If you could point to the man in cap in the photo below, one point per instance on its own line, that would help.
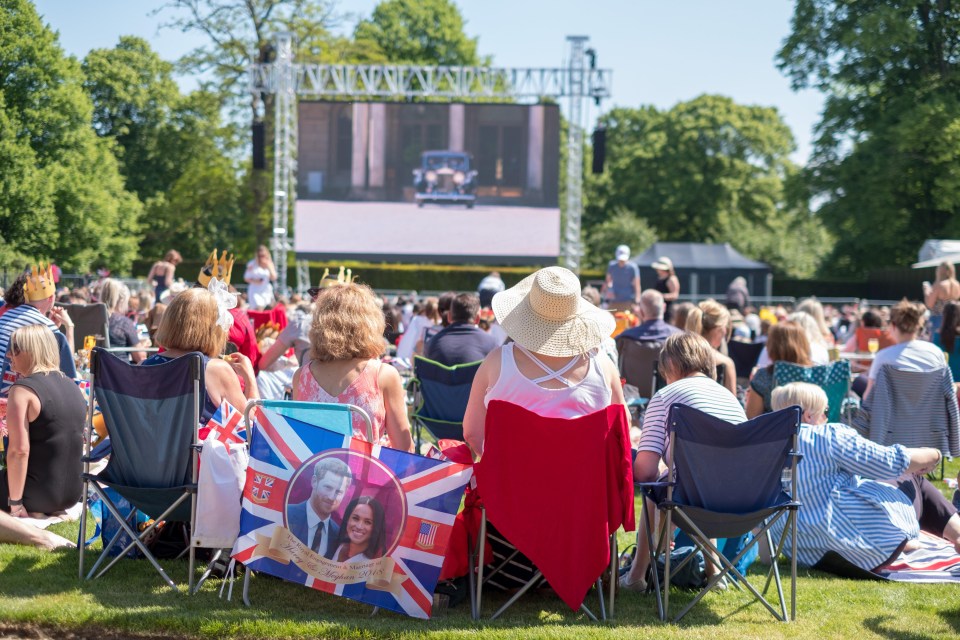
(622, 284)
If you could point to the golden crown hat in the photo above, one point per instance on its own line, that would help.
(220, 269)
(343, 277)
(40, 284)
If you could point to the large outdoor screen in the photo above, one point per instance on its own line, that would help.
(421, 182)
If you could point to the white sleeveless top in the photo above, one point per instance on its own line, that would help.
(578, 399)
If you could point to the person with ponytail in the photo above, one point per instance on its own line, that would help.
(711, 320)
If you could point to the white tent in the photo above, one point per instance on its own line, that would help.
(933, 252)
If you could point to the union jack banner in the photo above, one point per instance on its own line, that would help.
(225, 423)
(390, 513)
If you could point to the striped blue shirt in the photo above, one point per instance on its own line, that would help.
(844, 507)
(10, 321)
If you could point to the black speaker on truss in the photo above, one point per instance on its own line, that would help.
(599, 149)
(259, 152)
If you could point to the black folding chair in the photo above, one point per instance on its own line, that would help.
(152, 415)
(745, 356)
(724, 481)
(440, 395)
(90, 320)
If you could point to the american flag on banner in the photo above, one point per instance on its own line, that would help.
(225, 424)
(417, 500)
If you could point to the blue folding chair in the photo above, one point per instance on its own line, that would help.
(440, 397)
(725, 480)
(330, 416)
(152, 415)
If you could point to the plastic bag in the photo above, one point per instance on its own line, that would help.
(219, 493)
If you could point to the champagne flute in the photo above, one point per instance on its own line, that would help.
(873, 345)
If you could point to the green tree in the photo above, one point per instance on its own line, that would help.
(239, 34)
(61, 194)
(417, 32)
(623, 227)
(174, 152)
(709, 170)
(886, 162)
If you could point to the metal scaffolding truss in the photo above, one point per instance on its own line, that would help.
(288, 80)
(417, 81)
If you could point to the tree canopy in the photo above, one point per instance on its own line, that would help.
(885, 162)
(709, 170)
(173, 151)
(61, 194)
(417, 32)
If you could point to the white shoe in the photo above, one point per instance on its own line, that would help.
(640, 586)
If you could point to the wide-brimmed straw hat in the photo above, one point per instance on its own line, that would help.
(663, 264)
(545, 314)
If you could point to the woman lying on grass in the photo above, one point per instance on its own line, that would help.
(862, 500)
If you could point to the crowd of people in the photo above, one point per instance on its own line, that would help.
(545, 344)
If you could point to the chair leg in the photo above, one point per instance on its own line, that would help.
(82, 542)
(603, 607)
(614, 574)
(472, 580)
(247, 573)
(208, 571)
(793, 566)
(534, 580)
(480, 559)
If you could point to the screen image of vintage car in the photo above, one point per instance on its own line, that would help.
(445, 177)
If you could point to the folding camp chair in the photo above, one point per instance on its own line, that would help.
(833, 378)
(912, 408)
(152, 415)
(724, 481)
(330, 416)
(90, 320)
(568, 531)
(638, 366)
(440, 395)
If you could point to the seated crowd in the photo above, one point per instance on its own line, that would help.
(545, 345)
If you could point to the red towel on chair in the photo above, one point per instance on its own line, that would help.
(557, 489)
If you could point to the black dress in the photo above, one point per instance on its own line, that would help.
(56, 445)
(662, 287)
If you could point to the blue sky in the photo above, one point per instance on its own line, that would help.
(661, 51)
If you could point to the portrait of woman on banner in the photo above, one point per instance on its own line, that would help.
(362, 531)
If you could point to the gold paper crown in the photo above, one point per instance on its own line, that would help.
(220, 269)
(40, 285)
(343, 277)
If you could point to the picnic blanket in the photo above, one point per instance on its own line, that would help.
(935, 561)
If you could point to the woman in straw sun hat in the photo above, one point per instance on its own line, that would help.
(552, 365)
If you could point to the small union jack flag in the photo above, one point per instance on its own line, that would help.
(427, 534)
(262, 486)
(225, 424)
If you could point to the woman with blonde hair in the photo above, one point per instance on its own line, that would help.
(123, 332)
(850, 506)
(194, 323)
(813, 307)
(711, 320)
(45, 414)
(346, 342)
(945, 289)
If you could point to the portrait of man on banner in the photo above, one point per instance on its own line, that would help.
(346, 516)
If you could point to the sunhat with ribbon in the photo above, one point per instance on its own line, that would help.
(545, 314)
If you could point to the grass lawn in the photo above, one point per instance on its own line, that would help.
(40, 593)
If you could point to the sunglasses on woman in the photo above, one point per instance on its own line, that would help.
(15, 349)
